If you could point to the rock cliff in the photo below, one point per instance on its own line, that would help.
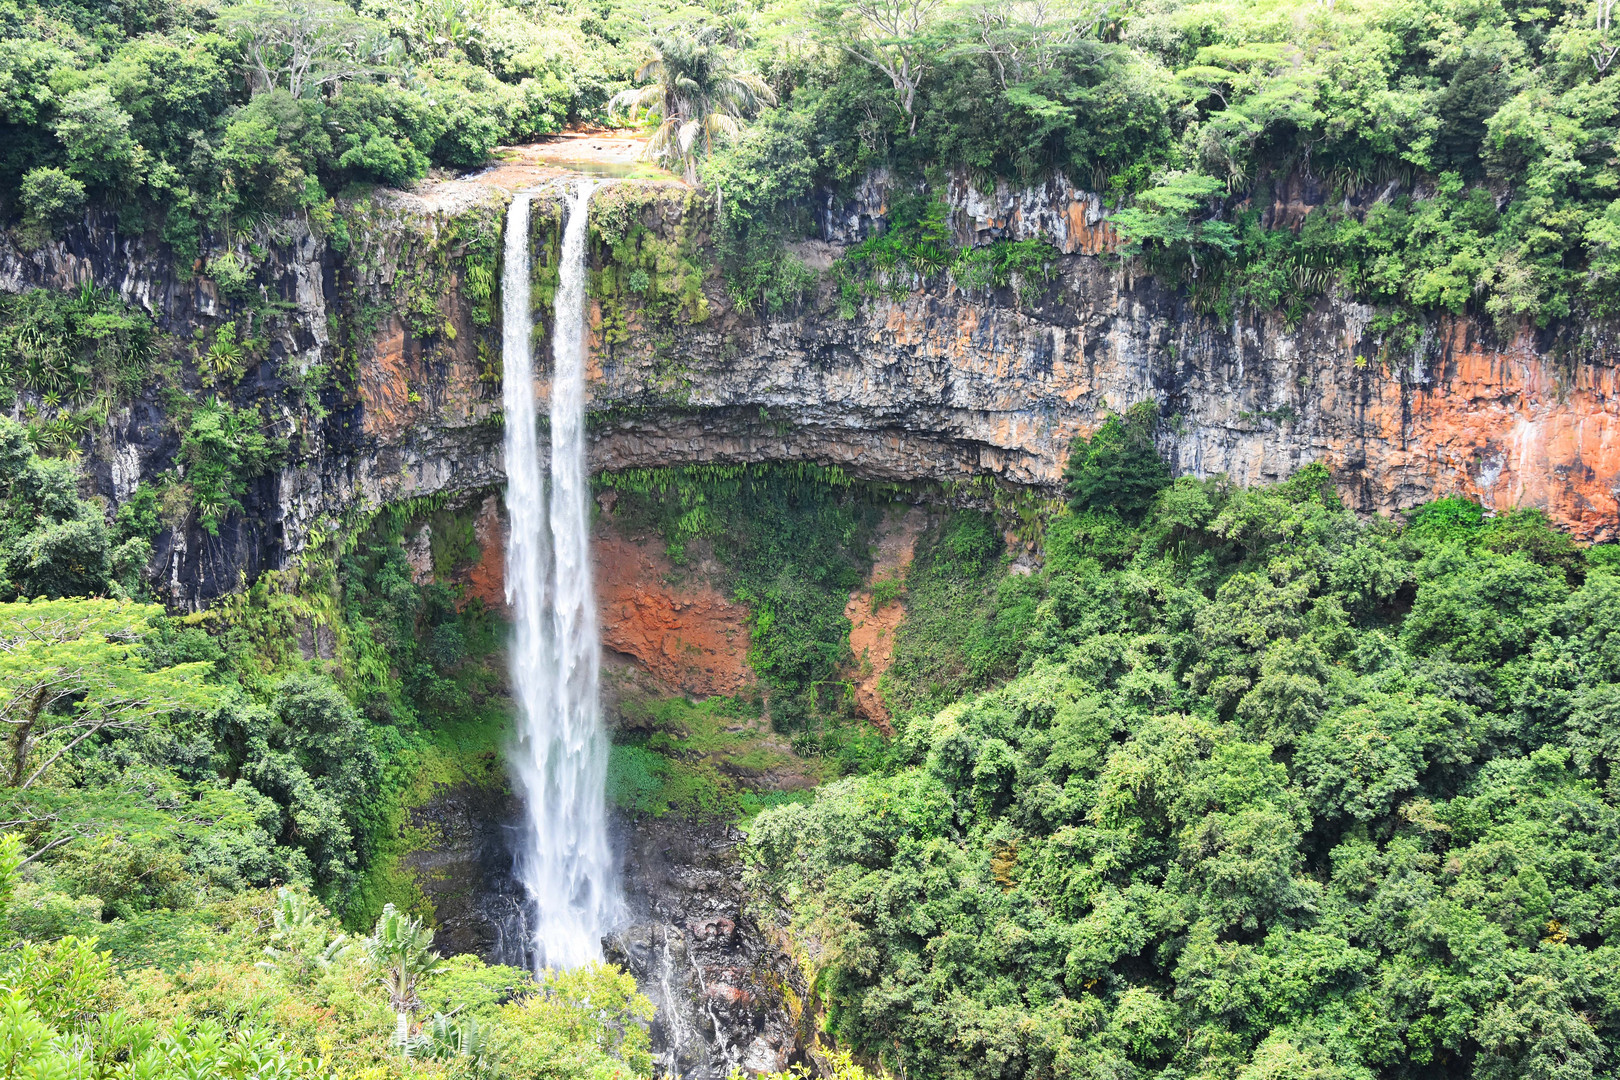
(378, 362)
(381, 366)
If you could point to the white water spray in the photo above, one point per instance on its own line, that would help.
(560, 759)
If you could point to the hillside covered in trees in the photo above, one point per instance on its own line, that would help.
(1181, 779)
(1258, 790)
(1462, 153)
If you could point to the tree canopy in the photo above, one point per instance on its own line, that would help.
(1253, 788)
(1426, 156)
(71, 668)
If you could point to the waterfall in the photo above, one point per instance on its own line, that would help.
(560, 757)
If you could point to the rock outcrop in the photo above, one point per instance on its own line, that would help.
(685, 632)
(874, 617)
(382, 367)
(721, 983)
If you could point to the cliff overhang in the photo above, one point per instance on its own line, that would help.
(383, 364)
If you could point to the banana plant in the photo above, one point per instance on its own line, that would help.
(401, 951)
(467, 1047)
(302, 944)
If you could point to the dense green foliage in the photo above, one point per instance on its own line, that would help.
(694, 759)
(73, 347)
(1424, 155)
(203, 121)
(695, 95)
(145, 797)
(965, 616)
(1231, 784)
(1273, 791)
(53, 543)
(422, 646)
(164, 774)
(223, 449)
(280, 991)
(1116, 467)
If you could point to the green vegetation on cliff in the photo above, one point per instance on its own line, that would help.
(1423, 155)
(157, 765)
(1270, 791)
(1228, 783)
(793, 542)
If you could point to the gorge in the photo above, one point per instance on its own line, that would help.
(402, 382)
(859, 540)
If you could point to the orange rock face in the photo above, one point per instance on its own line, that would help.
(1508, 429)
(871, 633)
(486, 579)
(687, 634)
(684, 631)
(948, 383)
(385, 381)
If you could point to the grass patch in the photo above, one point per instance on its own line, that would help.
(698, 759)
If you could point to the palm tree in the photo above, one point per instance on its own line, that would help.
(400, 948)
(695, 93)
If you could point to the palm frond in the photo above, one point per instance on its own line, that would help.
(695, 92)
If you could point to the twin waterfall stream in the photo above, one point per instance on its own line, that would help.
(559, 762)
(668, 914)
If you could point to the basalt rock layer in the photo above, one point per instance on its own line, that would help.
(379, 364)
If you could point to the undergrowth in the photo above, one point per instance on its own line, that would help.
(696, 759)
(917, 245)
(420, 659)
(966, 617)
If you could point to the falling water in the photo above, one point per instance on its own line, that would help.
(560, 759)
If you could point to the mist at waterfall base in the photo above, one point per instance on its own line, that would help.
(558, 761)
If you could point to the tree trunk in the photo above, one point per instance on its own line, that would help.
(22, 737)
(402, 1032)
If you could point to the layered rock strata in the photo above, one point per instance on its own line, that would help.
(380, 368)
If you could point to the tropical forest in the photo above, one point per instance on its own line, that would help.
(788, 539)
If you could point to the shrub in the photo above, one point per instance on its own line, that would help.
(223, 449)
(233, 276)
(1118, 467)
(50, 197)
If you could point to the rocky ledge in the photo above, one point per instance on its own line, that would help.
(382, 363)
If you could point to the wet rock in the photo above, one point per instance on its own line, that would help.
(717, 977)
(465, 870)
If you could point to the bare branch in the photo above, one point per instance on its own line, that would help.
(303, 45)
(58, 842)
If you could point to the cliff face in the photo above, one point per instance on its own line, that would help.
(381, 366)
